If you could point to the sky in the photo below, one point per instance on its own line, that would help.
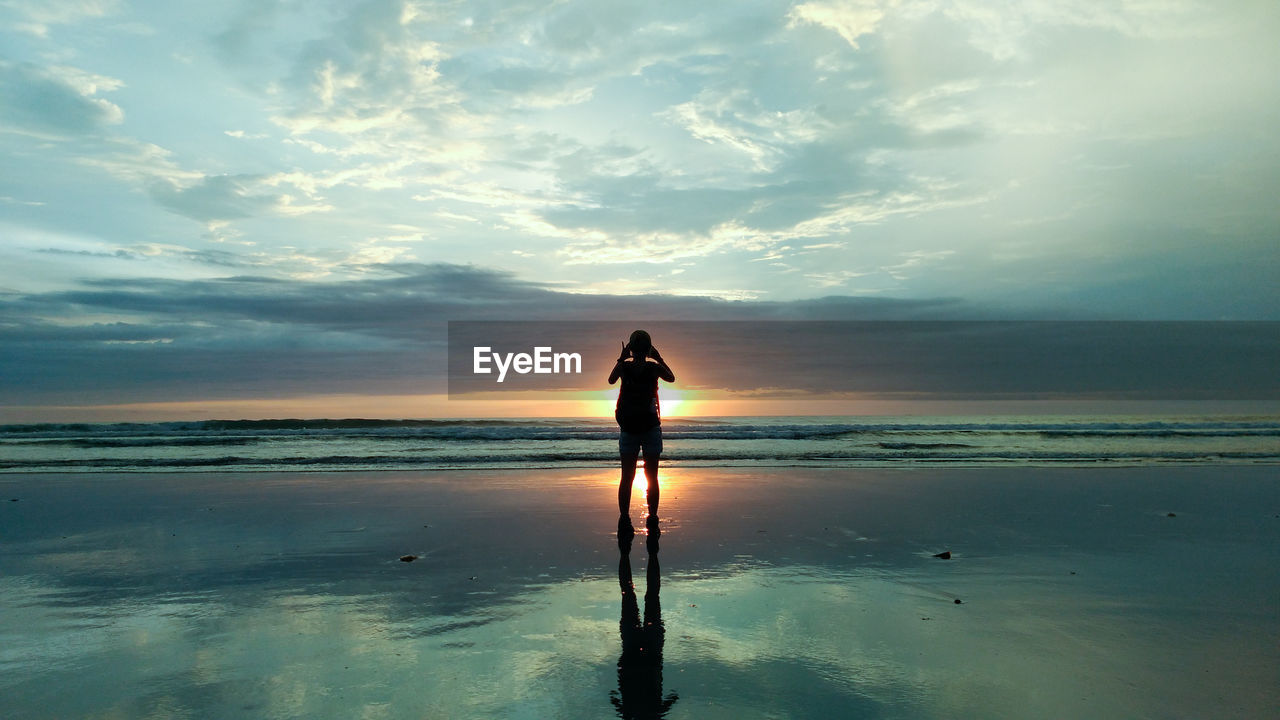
(272, 208)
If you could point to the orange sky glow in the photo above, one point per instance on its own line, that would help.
(676, 403)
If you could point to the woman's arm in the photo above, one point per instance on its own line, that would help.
(617, 367)
(664, 372)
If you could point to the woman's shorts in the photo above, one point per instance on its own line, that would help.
(629, 444)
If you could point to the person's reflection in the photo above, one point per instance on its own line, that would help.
(639, 693)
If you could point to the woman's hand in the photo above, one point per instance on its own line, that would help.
(625, 352)
(653, 353)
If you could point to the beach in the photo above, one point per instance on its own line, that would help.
(1115, 592)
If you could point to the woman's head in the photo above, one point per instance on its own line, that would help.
(640, 343)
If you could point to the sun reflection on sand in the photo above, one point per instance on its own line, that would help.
(673, 484)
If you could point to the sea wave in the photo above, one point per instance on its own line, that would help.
(380, 444)
(847, 459)
(145, 442)
(242, 432)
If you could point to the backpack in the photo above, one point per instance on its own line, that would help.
(637, 412)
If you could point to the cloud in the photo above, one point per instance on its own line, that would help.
(850, 18)
(395, 82)
(272, 335)
(236, 41)
(835, 278)
(135, 162)
(373, 74)
(736, 120)
(117, 254)
(1050, 157)
(766, 156)
(221, 198)
(55, 102)
(139, 338)
(16, 201)
(1003, 31)
(213, 198)
(37, 16)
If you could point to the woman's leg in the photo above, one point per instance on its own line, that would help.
(624, 485)
(651, 474)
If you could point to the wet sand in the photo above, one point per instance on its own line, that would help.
(1107, 593)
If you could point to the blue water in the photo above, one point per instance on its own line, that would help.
(266, 445)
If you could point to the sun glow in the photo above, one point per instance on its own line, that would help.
(674, 403)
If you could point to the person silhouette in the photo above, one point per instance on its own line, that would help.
(639, 694)
(639, 417)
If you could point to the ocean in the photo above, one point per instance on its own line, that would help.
(368, 444)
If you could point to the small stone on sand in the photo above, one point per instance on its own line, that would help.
(408, 558)
(958, 601)
(1172, 515)
(945, 555)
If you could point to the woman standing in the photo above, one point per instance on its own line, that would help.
(640, 366)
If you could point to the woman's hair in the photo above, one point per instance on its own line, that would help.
(640, 343)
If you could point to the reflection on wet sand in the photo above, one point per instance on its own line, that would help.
(639, 693)
(231, 596)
